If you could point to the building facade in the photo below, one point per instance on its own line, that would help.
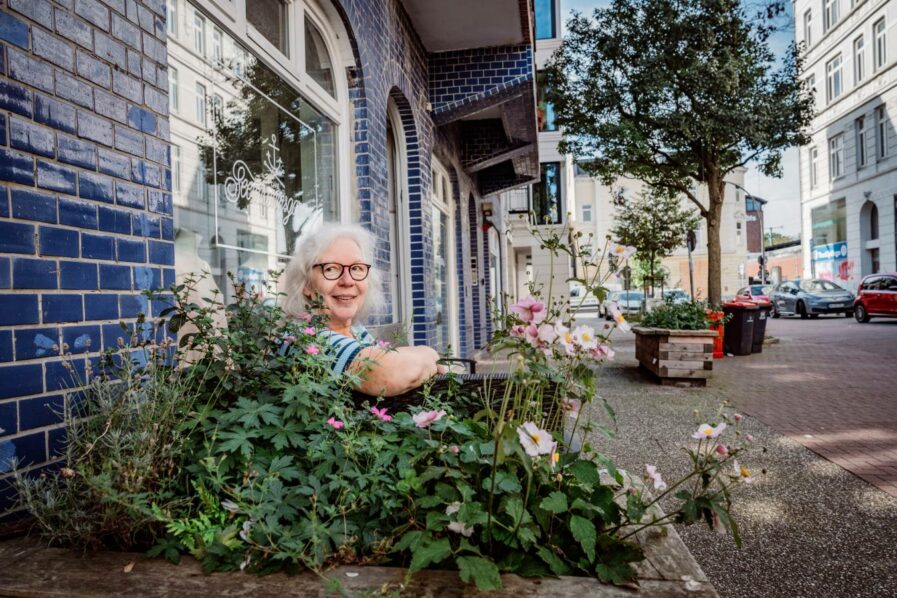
(849, 170)
(144, 140)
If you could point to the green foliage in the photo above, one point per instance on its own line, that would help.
(691, 315)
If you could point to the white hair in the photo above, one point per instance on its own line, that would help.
(311, 246)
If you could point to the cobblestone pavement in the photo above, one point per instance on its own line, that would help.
(809, 526)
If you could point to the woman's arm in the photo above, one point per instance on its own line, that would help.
(392, 372)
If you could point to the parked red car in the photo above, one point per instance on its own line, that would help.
(876, 296)
(754, 292)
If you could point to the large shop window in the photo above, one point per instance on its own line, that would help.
(829, 240)
(254, 166)
(546, 25)
(547, 195)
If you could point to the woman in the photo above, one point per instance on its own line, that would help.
(334, 262)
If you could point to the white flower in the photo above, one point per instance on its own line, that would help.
(708, 431)
(585, 337)
(452, 508)
(534, 440)
(652, 475)
(743, 473)
(621, 252)
(621, 322)
(547, 333)
(565, 337)
(460, 528)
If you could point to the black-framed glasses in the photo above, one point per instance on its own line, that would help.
(333, 271)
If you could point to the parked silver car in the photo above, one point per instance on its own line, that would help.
(628, 302)
(810, 298)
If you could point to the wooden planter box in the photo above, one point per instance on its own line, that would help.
(676, 356)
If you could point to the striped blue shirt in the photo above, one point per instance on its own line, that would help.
(346, 348)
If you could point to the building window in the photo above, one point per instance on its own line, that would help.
(860, 126)
(836, 157)
(199, 34)
(173, 88)
(175, 168)
(830, 14)
(586, 212)
(881, 43)
(269, 17)
(875, 260)
(859, 59)
(873, 223)
(834, 83)
(881, 133)
(545, 117)
(217, 44)
(814, 167)
(201, 104)
(808, 28)
(546, 28)
(200, 186)
(216, 104)
(171, 17)
(317, 59)
(547, 195)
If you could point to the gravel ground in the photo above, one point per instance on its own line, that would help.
(809, 527)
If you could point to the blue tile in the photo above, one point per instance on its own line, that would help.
(129, 195)
(145, 225)
(8, 418)
(51, 48)
(94, 70)
(95, 186)
(146, 278)
(32, 343)
(54, 177)
(129, 141)
(168, 229)
(54, 113)
(34, 274)
(78, 275)
(115, 277)
(18, 309)
(115, 221)
(16, 238)
(41, 411)
(97, 247)
(130, 251)
(168, 277)
(68, 26)
(13, 30)
(58, 241)
(161, 253)
(16, 167)
(16, 98)
(113, 332)
(62, 308)
(142, 120)
(60, 377)
(101, 307)
(31, 138)
(81, 339)
(27, 450)
(2, 128)
(69, 88)
(5, 276)
(77, 213)
(94, 128)
(6, 354)
(56, 441)
(36, 10)
(131, 305)
(30, 205)
(115, 164)
(28, 70)
(158, 202)
(77, 152)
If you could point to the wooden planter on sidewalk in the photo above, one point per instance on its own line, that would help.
(676, 356)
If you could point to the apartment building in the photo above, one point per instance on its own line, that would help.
(848, 171)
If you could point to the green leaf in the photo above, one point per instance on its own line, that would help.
(410, 540)
(482, 571)
(584, 532)
(557, 566)
(428, 553)
(556, 502)
(514, 508)
(585, 472)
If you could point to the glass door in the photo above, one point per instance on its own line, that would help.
(444, 287)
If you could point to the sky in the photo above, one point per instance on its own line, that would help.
(782, 213)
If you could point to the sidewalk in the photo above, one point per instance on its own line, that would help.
(810, 528)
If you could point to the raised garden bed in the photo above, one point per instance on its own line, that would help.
(32, 569)
(676, 356)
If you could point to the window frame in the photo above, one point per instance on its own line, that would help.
(171, 24)
(199, 33)
(836, 157)
(880, 44)
(808, 27)
(814, 167)
(881, 133)
(586, 208)
(859, 59)
(830, 14)
(861, 130)
(286, 55)
(834, 74)
(554, 20)
(174, 85)
(200, 113)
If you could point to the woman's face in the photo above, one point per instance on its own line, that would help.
(344, 296)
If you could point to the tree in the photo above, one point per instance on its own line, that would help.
(655, 223)
(674, 92)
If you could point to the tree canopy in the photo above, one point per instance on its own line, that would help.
(674, 92)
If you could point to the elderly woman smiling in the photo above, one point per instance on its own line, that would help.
(334, 262)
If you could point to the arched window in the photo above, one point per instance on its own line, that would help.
(873, 222)
(317, 58)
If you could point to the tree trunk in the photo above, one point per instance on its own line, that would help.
(716, 191)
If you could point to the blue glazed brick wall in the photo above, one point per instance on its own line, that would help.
(85, 222)
(383, 35)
